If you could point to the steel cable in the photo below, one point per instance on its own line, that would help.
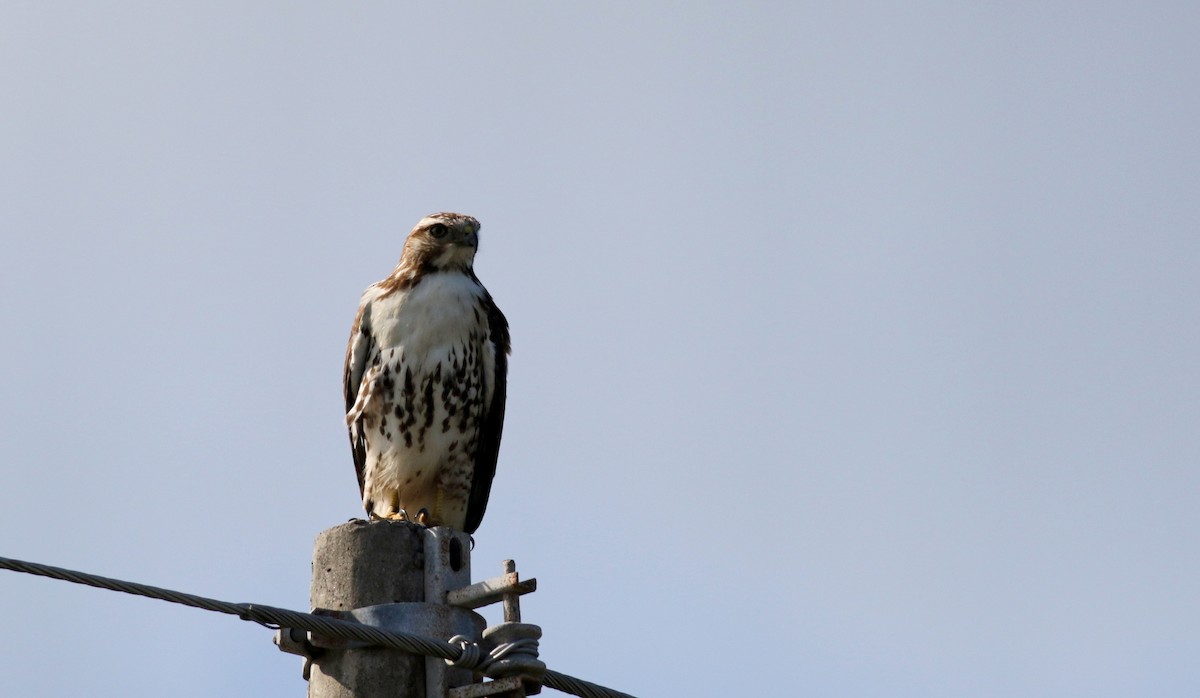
(271, 616)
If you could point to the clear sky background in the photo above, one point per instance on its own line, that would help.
(855, 345)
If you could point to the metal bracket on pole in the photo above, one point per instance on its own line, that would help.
(508, 687)
(295, 641)
(355, 567)
(507, 588)
(447, 567)
(513, 645)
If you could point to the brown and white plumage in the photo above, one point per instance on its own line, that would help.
(425, 381)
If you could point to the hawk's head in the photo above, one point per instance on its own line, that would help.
(440, 242)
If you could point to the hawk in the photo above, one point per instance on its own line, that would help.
(425, 382)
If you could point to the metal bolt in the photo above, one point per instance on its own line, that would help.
(512, 600)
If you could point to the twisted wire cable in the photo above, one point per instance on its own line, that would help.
(273, 617)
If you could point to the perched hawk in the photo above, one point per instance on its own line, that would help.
(425, 382)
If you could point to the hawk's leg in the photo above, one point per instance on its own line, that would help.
(391, 511)
(398, 515)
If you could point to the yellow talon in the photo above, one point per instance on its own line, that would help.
(398, 515)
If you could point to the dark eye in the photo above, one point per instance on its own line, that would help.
(438, 230)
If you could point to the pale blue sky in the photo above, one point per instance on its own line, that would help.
(855, 345)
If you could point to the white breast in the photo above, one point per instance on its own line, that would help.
(423, 321)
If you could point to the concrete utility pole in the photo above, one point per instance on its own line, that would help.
(408, 579)
(383, 573)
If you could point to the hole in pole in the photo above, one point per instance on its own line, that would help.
(456, 554)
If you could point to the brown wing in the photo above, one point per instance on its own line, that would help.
(358, 352)
(493, 419)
